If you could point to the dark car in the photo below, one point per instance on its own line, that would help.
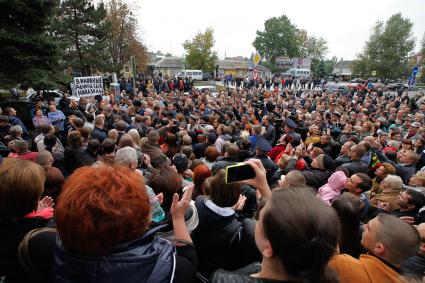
(397, 86)
(206, 76)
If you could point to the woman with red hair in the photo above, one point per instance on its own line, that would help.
(103, 215)
(200, 174)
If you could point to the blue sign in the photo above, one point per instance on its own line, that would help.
(412, 80)
(415, 70)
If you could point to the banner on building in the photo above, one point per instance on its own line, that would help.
(301, 63)
(284, 62)
(297, 63)
(88, 86)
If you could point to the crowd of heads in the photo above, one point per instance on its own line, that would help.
(346, 173)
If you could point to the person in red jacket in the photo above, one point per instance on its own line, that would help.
(22, 151)
(280, 147)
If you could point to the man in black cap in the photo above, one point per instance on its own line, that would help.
(289, 128)
(262, 148)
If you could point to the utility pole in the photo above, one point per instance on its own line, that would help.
(133, 69)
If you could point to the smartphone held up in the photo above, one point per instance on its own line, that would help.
(239, 172)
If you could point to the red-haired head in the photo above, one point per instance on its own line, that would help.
(200, 174)
(100, 208)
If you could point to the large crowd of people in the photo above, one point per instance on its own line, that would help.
(131, 187)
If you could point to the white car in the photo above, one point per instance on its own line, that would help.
(212, 89)
(56, 94)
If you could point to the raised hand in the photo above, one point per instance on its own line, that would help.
(260, 180)
(45, 203)
(178, 207)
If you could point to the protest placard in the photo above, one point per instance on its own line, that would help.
(88, 86)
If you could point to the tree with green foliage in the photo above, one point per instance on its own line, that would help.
(199, 51)
(421, 78)
(279, 38)
(387, 49)
(28, 54)
(314, 48)
(324, 67)
(121, 39)
(311, 47)
(83, 30)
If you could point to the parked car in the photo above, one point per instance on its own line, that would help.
(358, 80)
(357, 86)
(326, 86)
(54, 94)
(23, 105)
(379, 86)
(373, 80)
(342, 88)
(206, 76)
(397, 86)
(212, 89)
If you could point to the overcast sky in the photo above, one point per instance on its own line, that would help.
(165, 24)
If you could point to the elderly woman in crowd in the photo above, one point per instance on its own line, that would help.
(40, 119)
(390, 187)
(381, 172)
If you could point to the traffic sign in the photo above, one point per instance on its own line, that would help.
(373, 73)
(415, 71)
(255, 74)
(412, 80)
(256, 59)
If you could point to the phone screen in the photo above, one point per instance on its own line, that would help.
(239, 172)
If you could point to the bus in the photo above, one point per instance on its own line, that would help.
(298, 73)
(194, 74)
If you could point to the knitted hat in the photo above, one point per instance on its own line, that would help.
(325, 162)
